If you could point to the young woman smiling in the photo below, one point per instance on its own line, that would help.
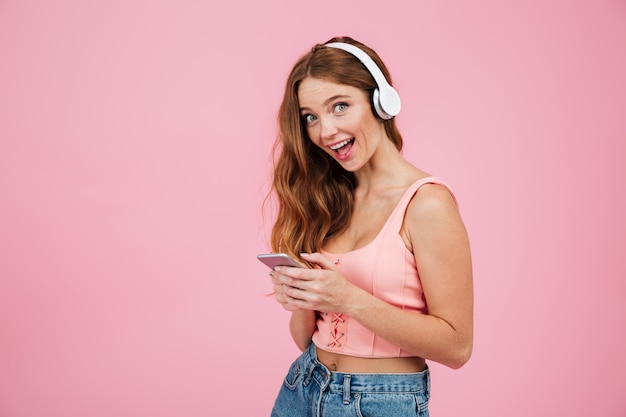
(390, 280)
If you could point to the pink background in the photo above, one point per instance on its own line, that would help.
(134, 156)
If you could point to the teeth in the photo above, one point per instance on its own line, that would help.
(340, 144)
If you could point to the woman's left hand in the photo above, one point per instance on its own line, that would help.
(322, 288)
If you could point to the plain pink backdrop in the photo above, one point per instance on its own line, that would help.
(135, 139)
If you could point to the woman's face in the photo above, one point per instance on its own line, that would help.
(339, 120)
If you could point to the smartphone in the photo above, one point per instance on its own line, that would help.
(278, 259)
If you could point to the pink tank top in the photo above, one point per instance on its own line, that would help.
(384, 268)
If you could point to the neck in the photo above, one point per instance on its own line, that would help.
(387, 167)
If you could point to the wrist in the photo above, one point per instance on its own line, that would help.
(355, 301)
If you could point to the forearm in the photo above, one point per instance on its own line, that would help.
(302, 326)
(424, 335)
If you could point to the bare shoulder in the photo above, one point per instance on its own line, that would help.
(431, 199)
(432, 213)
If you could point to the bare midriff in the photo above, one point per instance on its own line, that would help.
(336, 362)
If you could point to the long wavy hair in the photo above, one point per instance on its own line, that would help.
(314, 193)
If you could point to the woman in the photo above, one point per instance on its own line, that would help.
(390, 283)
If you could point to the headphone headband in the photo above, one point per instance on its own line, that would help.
(385, 98)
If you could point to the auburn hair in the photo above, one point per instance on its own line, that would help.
(314, 193)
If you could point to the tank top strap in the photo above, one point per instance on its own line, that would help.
(397, 215)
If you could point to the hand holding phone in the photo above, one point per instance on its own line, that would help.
(273, 260)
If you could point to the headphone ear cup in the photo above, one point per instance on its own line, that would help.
(386, 105)
(389, 101)
(378, 110)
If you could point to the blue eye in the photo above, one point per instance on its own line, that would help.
(340, 107)
(309, 118)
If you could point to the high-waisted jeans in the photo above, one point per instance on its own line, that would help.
(311, 390)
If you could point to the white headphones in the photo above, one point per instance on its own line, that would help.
(386, 99)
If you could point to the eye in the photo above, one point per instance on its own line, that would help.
(309, 118)
(340, 107)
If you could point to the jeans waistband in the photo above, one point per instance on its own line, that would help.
(363, 383)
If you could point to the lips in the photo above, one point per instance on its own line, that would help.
(342, 148)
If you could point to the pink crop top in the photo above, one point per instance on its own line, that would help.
(384, 268)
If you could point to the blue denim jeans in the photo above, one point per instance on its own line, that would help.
(311, 390)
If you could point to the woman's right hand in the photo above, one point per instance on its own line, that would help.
(280, 288)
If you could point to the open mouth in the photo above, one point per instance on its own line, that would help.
(342, 147)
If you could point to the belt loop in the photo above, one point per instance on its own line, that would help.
(308, 375)
(346, 389)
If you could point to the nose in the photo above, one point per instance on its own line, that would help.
(328, 127)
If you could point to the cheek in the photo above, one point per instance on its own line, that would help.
(313, 134)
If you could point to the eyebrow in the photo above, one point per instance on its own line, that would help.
(328, 100)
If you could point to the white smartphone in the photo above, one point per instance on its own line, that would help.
(273, 260)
